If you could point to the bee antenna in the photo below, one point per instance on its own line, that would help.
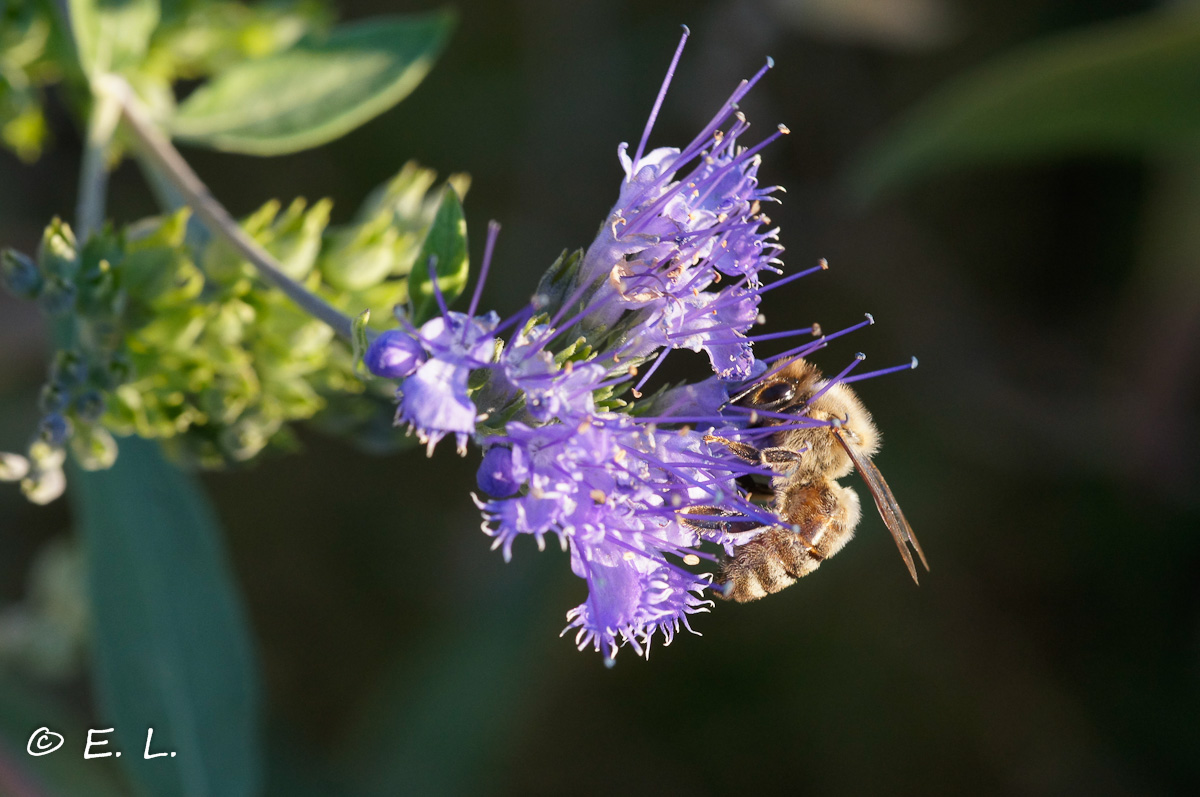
(739, 396)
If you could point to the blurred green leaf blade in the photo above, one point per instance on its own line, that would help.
(1127, 87)
(172, 646)
(446, 241)
(316, 91)
(112, 35)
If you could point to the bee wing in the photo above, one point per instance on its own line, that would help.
(886, 503)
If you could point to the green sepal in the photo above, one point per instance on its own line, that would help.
(446, 243)
(359, 330)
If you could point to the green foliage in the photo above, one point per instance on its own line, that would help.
(1122, 87)
(446, 246)
(152, 43)
(316, 91)
(25, 45)
(167, 339)
(112, 35)
(367, 263)
(172, 648)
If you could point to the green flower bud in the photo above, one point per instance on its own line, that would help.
(52, 398)
(118, 370)
(67, 368)
(94, 447)
(57, 253)
(90, 406)
(43, 486)
(54, 429)
(57, 297)
(20, 274)
(43, 456)
(157, 270)
(13, 467)
(359, 257)
(295, 237)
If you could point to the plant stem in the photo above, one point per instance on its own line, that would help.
(93, 173)
(158, 151)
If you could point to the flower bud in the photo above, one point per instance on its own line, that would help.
(495, 476)
(44, 456)
(20, 274)
(54, 429)
(56, 254)
(94, 448)
(296, 237)
(57, 297)
(13, 467)
(394, 355)
(52, 399)
(43, 486)
(90, 406)
(67, 368)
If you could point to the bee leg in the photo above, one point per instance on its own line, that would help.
(778, 456)
(712, 518)
(771, 457)
(740, 450)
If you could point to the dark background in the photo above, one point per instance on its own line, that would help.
(1045, 451)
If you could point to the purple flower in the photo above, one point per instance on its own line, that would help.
(435, 364)
(395, 354)
(624, 485)
(612, 490)
(434, 401)
(686, 219)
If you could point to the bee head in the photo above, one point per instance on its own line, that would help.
(842, 406)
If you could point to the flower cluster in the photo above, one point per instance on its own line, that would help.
(177, 340)
(570, 450)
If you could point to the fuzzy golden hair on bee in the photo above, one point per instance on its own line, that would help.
(818, 515)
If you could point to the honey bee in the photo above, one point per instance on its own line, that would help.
(808, 462)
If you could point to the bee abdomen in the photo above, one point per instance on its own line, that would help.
(770, 562)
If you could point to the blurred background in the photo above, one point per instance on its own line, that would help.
(1046, 451)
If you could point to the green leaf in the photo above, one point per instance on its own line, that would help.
(1128, 87)
(446, 241)
(451, 711)
(316, 91)
(112, 35)
(172, 649)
